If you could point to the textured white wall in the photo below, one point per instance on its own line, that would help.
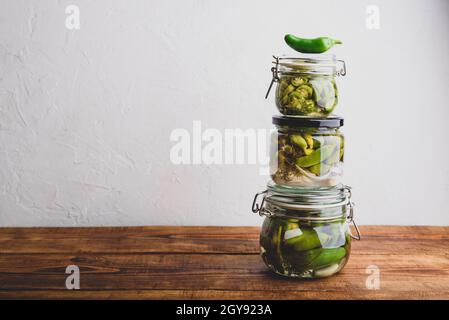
(86, 115)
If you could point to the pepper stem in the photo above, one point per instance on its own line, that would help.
(336, 41)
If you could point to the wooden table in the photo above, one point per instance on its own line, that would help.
(212, 263)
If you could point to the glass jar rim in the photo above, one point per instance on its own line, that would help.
(323, 64)
(295, 198)
(307, 200)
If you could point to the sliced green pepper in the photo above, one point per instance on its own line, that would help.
(328, 256)
(315, 157)
(298, 81)
(320, 169)
(306, 241)
(295, 99)
(298, 140)
(305, 90)
(309, 139)
(316, 143)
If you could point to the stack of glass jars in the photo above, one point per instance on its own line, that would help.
(307, 209)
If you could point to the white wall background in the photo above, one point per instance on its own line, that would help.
(85, 115)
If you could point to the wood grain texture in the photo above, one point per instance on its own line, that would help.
(130, 240)
(211, 263)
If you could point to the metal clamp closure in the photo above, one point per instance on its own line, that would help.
(274, 71)
(351, 216)
(258, 208)
(262, 211)
(342, 71)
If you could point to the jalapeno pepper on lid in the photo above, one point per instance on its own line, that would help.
(317, 45)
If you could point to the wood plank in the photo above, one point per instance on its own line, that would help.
(191, 239)
(130, 240)
(417, 275)
(212, 263)
(215, 295)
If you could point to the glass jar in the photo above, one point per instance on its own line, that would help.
(306, 85)
(305, 234)
(307, 152)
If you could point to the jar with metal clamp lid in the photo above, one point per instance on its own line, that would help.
(305, 233)
(306, 85)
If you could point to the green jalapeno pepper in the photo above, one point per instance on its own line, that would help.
(320, 168)
(308, 239)
(317, 45)
(328, 256)
(316, 156)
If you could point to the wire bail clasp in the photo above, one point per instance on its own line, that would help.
(342, 71)
(258, 208)
(350, 217)
(274, 71)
